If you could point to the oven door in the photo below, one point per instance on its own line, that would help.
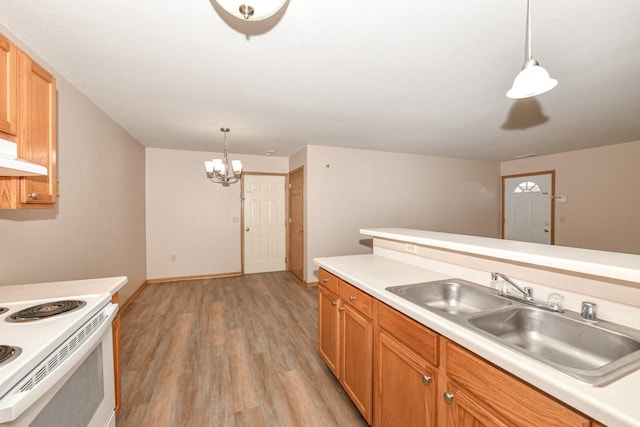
(79, 393)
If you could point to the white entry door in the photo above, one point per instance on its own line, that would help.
(264, 223)
(528, 207)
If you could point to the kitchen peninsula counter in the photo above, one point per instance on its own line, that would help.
(615, 404)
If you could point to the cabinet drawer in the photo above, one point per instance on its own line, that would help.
(353, 296)
(510, 396)
(329, 280)
(412, 334)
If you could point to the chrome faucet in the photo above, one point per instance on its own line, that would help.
(526, 292)
(527, 295)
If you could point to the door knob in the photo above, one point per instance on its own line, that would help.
(448, 397)
(247, 229)
(546, 231)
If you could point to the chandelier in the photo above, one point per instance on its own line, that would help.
(223, 171)
(532, 80)
(243, 10)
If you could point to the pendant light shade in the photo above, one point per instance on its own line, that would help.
(252, 10)
(532, 80)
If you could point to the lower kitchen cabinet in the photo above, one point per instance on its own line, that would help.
(464, 410)
(412, 376)
(405, 386)
(345, 339)
(482, 392)
(357, 359)
(328, 329)
(405, 370)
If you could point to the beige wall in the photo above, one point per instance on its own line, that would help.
(363, 188)
(192, 218)
(97, 226)
(603, 201)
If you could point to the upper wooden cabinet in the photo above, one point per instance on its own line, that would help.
(34, 128)
(8, 89)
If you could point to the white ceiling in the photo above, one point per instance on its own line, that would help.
(411, 76)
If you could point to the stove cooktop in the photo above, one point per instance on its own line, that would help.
(36, 339)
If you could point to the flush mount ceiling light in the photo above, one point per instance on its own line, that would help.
(257, 10)
(532, 80)
(223, 171)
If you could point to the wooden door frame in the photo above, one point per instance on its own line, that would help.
(304, 266)
(553, 200)
(286, 213)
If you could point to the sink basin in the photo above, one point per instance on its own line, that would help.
(451, 296)
(594, 353)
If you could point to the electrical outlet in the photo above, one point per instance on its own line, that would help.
(412, 249)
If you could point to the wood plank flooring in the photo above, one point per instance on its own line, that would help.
(230, 352)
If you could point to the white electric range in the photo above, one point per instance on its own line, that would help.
(56, 362)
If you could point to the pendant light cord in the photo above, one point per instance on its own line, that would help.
(528, 56)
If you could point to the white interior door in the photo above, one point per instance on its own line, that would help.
(528, 207)
(264, 223)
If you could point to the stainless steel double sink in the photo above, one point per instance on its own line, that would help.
(595, 353)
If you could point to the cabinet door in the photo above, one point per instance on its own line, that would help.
(357, 359)
(506, 394)
(462, 410)
(37, 131)
(8, 87)
(328, 329)
(405, 386)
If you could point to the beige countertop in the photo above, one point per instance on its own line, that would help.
(65, 289)
(616, 404)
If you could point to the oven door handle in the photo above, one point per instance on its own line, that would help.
(14, 403)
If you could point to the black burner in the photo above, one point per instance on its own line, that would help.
(7, 353)
(3, 309)
(45, 310)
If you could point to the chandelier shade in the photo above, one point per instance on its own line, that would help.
(532, 80)
(223, 171)
(256, 10)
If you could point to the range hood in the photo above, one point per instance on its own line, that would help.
(11, 165)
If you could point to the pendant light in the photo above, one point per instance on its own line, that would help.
(532, 80)
(223, 171)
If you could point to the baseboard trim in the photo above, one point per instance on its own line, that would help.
(188, 278)
(310, 284)
(133, 296)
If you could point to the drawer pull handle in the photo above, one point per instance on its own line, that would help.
(334, 302)
(352, 298)
(448, 397)
(340, 308)
(33, 196)
(426, 379)
(325, 280)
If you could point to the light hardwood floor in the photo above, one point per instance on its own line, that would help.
(231, 352)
